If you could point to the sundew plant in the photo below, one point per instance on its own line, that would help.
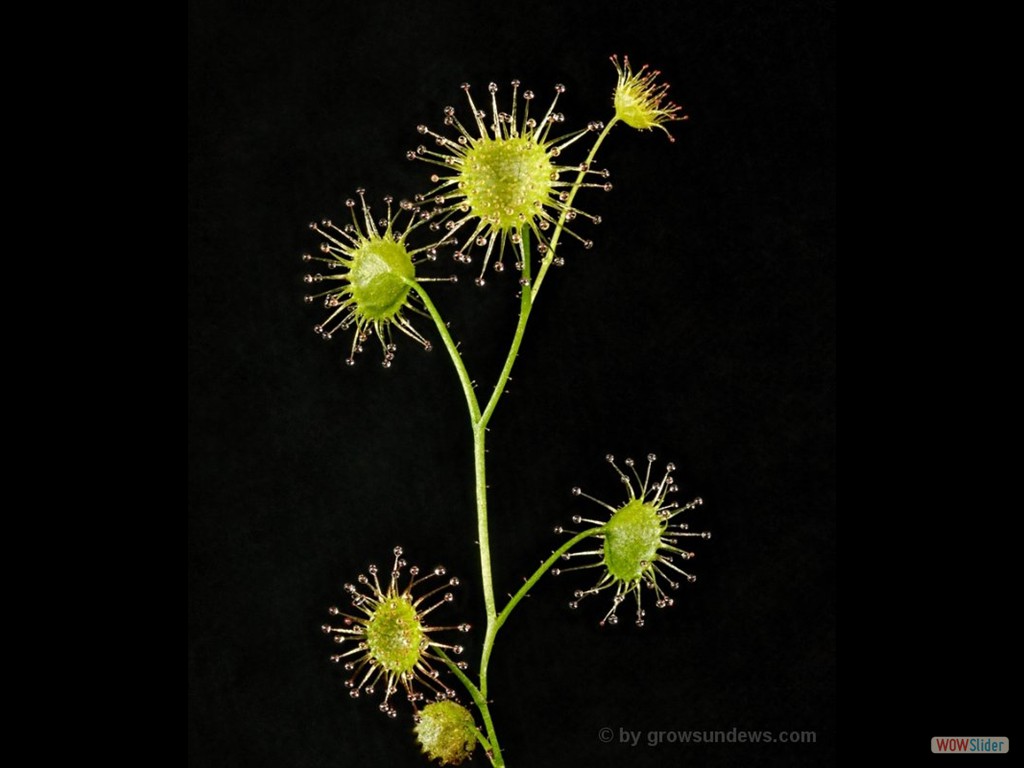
(500, 194)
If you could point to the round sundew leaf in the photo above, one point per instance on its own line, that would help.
(446, 732)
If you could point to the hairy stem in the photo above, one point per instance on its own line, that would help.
(479, 421)
(525, 305)
(479, 426)
(451, 346)
(483, 537)
(549, 257)
(491, 742)
(544, 567)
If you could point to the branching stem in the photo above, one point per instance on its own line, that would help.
(479, 420)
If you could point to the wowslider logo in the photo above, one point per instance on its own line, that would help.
(970, 745)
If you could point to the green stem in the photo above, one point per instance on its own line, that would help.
(480, 433)
(479, 421)
(544, 567)
(491, 742)
(525, 305)
(451, 346)
(549, 257)
(483, 537)
(478, 696)
(479, 425)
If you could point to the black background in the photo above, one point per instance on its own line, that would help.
(701, 327)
